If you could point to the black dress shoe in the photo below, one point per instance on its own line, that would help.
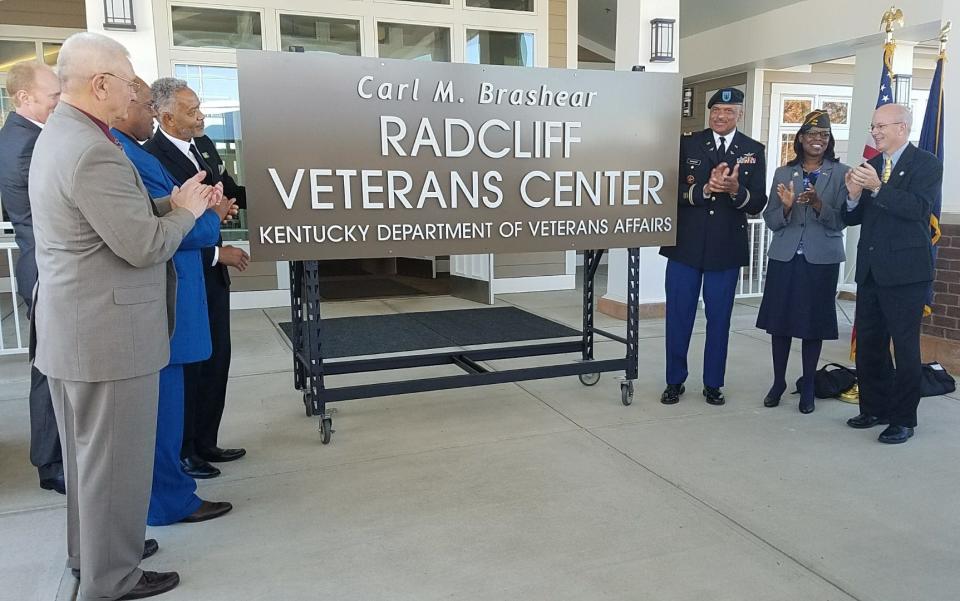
(208, 511)
(218, 455)
(864, 421)
(895, 435)
(671, 395)
(198, 468)
(54, 483)
(150, 548)
(773, 396)
(153, 583)
(713, 395)
(806, 408)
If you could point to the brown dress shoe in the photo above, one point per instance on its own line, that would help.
(153, 583)
(208, 510)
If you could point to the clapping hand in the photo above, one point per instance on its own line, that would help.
(721, 181)
(809, 197)
(786, 195)
(865, 176)
(854, 189)
(193, 195)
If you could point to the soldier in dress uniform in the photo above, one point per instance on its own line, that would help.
(722, 180)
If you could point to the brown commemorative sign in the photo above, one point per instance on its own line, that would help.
(349, 157)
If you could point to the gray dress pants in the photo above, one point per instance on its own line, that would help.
(108, 431)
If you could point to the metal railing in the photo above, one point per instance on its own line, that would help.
(754, 274)
(14, 327)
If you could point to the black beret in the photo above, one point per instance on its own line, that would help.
(726, 96)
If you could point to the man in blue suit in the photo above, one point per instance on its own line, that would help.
(35, 91)
(173, 497)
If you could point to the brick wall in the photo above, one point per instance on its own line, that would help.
(945, 321)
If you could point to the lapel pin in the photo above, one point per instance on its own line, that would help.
(901, 174)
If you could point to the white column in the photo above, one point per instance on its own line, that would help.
(753, 104)
(951, 125)
(142, 43)
(633, 48)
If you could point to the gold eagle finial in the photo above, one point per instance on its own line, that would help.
(894, 15)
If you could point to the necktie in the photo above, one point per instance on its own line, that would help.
(722, 149)
(887, 169)
(202, 163)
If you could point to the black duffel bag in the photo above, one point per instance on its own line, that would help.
(830, 381)
(935, 381)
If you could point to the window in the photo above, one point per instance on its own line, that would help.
(524, 5)
(216, 28)
(300, 33)
(786, 148)
(795, 109)
(51, 52)
(6, 105)
(444, 2)
(219, 101)
(413, 42)
(13, 52)
(499, 48)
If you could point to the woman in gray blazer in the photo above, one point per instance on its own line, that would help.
(805, 213)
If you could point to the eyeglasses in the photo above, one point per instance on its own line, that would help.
(823, 135)
(134, 86)
(150, 106)
(879, 126)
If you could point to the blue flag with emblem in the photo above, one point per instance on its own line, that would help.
(931, 140)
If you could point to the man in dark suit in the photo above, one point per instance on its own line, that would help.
(183, 149)
(891, 197)
(722, 180)
(35, 91)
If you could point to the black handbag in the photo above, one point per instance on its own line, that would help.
(935, 380)
(830, 383)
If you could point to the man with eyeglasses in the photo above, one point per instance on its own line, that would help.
(173, 497)
(35, 91)
(891, 198)
(722, 180)
(103, 313)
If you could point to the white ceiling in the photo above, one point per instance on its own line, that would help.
(598, 18)
(701, 15)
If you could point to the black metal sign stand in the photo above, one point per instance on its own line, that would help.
(309, 368)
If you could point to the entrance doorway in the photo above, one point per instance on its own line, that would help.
(358, 279)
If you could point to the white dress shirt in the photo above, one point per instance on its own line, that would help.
(727, 139)
(184, 147)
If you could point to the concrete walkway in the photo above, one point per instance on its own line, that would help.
(544, 490)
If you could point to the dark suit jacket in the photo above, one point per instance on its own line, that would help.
(895, 235)
(712, 232)
(17, 138)
(182, 169)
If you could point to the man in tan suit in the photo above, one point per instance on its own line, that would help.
(104, 313)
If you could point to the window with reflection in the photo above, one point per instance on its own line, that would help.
(301, 33)
(51, 52)
(522, 5)
(499, 48)
(216, 28)
(413, 42)
(220, 103)
(14, 51)
(6, 105)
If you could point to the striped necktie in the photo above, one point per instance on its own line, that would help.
(887, 169)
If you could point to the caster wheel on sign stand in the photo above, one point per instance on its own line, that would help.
(589, 379)
(326, 430)
(626, 393)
